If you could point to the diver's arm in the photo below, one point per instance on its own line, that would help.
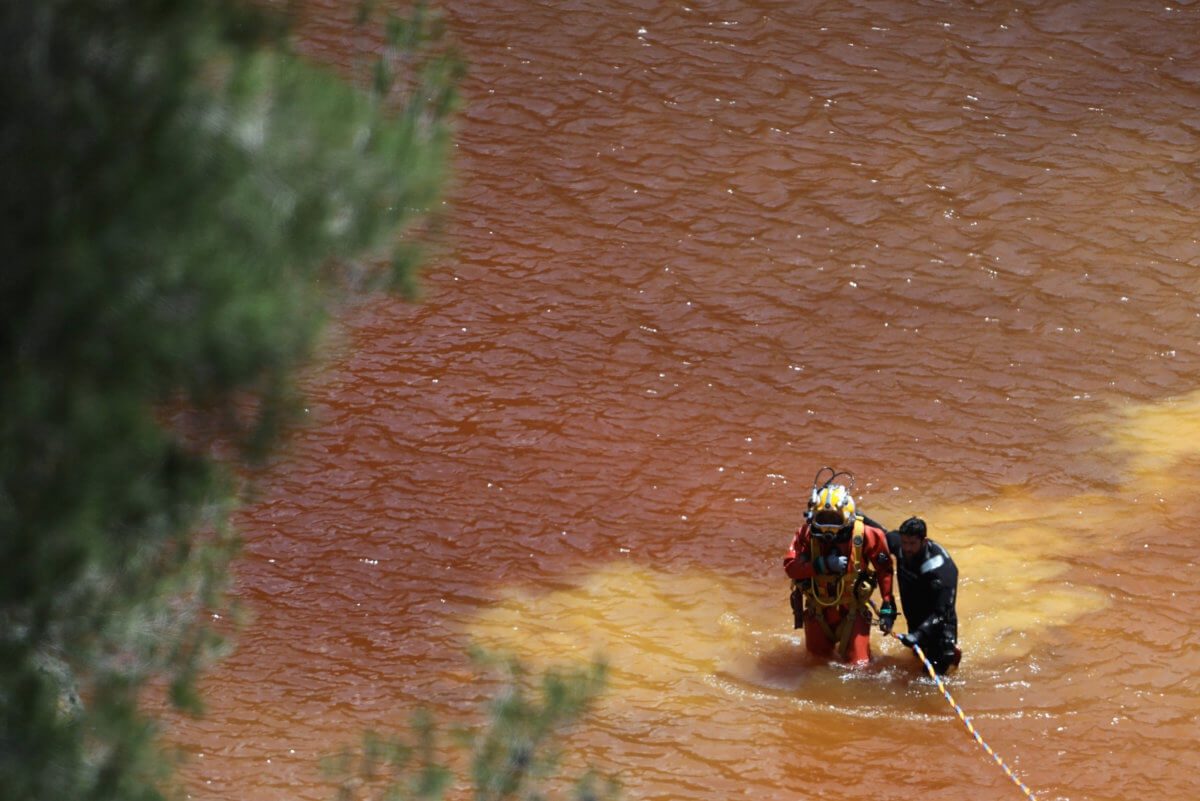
(944, 587)
(798, 562)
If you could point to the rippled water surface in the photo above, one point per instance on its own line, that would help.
(697, 252)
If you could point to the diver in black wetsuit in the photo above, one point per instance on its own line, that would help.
(928, 591)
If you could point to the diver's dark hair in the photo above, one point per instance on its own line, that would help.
(913, 527)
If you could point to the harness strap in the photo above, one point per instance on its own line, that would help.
(846, 628)
(827, 591)
(853, 599)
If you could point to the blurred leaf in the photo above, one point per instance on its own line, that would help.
(513, 755)
(181, 194)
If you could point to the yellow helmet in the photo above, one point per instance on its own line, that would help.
(830, 509)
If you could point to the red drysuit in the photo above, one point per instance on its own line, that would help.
(865, 546)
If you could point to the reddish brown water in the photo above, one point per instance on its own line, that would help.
(700, 251)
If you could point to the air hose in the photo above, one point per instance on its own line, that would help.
(966, 721)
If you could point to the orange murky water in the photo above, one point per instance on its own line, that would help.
(700, 251)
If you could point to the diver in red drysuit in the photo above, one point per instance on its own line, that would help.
(835, 560)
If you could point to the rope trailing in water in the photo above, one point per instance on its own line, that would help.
(966, 720)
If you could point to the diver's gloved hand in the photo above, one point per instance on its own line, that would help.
(887, 616)
(908, 639)
(832, 563)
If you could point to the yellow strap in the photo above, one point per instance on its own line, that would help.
(845, 628)
(841, 594)
(856, 544)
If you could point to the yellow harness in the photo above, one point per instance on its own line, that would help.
(822, 592)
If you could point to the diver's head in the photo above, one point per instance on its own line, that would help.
(830, 510)
(912, 537)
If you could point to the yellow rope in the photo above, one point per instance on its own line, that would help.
(834, 599)
(967, 721)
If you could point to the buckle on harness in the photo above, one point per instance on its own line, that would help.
(864, 585)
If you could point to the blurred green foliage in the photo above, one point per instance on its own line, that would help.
(181, 198)
(512, 756)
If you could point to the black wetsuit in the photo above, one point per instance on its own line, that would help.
(928, 591)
